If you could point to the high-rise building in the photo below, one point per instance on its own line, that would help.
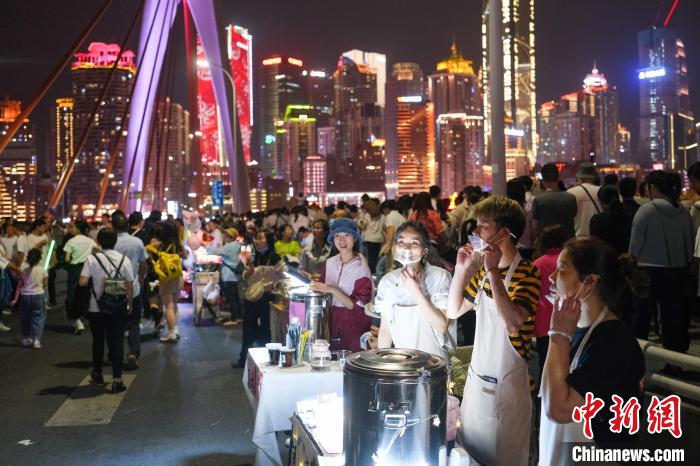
(377, 64)
(315, 179)
(454, 90)
(460, 161)
(325, 141)
(319, 94)
(169, 163)
(18, 172)
(406, 81)
(415, 138)
(624, 144)
(282, 85)
(354, 83)
(519, 80)
(89, 73)
(582, 125)
(63, 135)
(664, 102)
(299, 135)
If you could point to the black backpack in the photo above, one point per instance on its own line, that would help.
(114, 298)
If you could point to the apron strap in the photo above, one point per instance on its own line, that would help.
(599, 319)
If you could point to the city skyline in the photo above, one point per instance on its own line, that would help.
(403, 34)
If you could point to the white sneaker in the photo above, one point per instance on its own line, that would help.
(4, 328)
(27, 341)
(78, 325)
(169, 338)
(6, 312)
(36, 344)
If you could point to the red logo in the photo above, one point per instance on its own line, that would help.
(665, 415)
(587, 412)
(626, 415)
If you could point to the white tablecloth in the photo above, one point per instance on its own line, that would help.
(279, 391)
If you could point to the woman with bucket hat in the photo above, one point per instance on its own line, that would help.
(348, 278)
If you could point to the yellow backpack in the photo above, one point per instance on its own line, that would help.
(166, 265)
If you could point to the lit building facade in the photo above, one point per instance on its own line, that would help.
(582, 125)
(89, 72)
(282, 85)
(519, 78)
(415, 136)
(319, 94)
(315, 179)
(377, 64)
(454, 91)
(299, 136)
(63, 134)
(170, 166)
(460, 142)
(664, 101)
(325, 141)
(18, 172)
(406, 80)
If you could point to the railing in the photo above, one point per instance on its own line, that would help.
(657, 357)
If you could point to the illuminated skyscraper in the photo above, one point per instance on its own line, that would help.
(406, 81)
(169, 167)
(89, 73)
(282, 85)
(454, 90)
(63, 134)
(354, 83)
(582, 125)
(315, 179)
(17, 167)
(415, 138)
(377, 64)
(519, 83)
(299, 135)
(319, 94)
(664, 104)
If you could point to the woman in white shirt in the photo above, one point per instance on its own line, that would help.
(372, 226)
(77, 250)
(412, 300)
(32, 306)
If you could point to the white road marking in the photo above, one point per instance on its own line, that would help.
(89, 404)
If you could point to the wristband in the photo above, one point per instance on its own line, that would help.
(551, 333)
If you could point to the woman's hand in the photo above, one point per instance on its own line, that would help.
(566, 315)
(409, 278)
(320, 287)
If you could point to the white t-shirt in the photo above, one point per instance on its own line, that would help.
(394, 219)
(586, 208)
(301, 221)
(30, 242)
(10, 245)
(92, 269)
(133, 248)
(373, 228)
(80, 247)
(218, 239)
(33, 280)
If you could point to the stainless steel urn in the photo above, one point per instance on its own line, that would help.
(395, 407)
(312, 309)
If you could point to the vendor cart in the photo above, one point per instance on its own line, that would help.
(205, 277)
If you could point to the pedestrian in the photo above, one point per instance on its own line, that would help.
(412, 300)
(662, 242)
(77, 249)
(32, 304)
(133, 248)
(628, 189)
(694, 181)
(586, 193)
(347, 277)
(613, 224)
(107, 316)
(590, 351)
(313, 258)
(392, 220)
(548, 248)
(214, 232)
(231, 269)
(287, 247)
(372, 227)
(504, 290)
(166, 252)
(553, 206)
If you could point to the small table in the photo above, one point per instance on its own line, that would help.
(274, 392)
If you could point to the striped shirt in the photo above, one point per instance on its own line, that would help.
(523, 290)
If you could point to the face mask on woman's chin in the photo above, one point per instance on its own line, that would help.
(406, 257)
(554, 294)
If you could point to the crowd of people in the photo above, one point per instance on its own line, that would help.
(579, 271)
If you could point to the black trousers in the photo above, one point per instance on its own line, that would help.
(107, 329)
(372, 254)
(52, 285)
(133, 326)
(256, 325)
(71, 285)
(668, 291)
(230, 290)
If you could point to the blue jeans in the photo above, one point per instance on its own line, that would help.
(32, 310)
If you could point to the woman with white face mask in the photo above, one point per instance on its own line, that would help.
(412, 300)
(590, 350)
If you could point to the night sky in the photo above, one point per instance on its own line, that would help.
(569, 36)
